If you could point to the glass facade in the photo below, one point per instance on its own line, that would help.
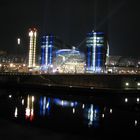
(96, 51)
(49, 47)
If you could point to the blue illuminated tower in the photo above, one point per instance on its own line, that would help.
(47, 50)
(49, 47)
(96, 51)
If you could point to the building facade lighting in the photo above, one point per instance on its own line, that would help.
(96, 51)
(32, 48)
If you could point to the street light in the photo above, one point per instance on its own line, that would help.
(18, 41)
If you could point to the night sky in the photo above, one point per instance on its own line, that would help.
(71, 20)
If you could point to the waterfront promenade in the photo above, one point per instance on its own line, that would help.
(72, 82)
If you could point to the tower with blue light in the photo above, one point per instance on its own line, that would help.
(96, 52)
(47, 51)
(50, 45)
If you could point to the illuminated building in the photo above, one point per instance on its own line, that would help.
(96, 51)
(32, 48)
(50, 44)
(46, 50)
(69, 61)
(12, 63)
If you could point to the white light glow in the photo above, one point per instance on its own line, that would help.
(126, 100)
(138, 84)
(47, 105)
(31, 33)
(16, 112)
(111, 111)
(33, 98)
(136, 122)
(103, 115)
(11, 65)
(35, 33)
(73, 110)
(18, 41)
(10, 96)
(127, 84)
(83, 106)
(27, 112)
(22, 101)
(62, 102)
(138, 99)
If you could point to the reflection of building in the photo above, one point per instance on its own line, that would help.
(96, 51)
(50, 44)
(29, 111)
(32, 48)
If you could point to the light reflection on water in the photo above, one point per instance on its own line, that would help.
(56, 111)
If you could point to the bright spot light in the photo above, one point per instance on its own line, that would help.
(33, 98)
(138, 84)
(27, 112)
(136, 122)
(31, 33)
(32, 112)
(127, 84)
(126, 100)
(16, 110)
(111, 110)
(62, 102)
(0, 65)
(103, 115)
(47, 106)
(83, 106)
(10, 96)
(138, 99)
(11, 64)
(35, 33)
(72, 104)
(22, 101)
(18, 41)
(73, 110)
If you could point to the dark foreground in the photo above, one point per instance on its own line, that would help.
(27, 114)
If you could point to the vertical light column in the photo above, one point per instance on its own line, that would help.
(107, 54)
(94, 52)
(46, 52)
(32, 48)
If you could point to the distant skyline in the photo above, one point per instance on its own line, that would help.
(71, 20)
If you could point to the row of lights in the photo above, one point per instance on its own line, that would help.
(138, 100)
(13, 65)
(127, 84)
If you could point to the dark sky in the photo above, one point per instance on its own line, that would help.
(71, 20)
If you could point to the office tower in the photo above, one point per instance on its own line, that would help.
(49, 47)
(96, 51)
